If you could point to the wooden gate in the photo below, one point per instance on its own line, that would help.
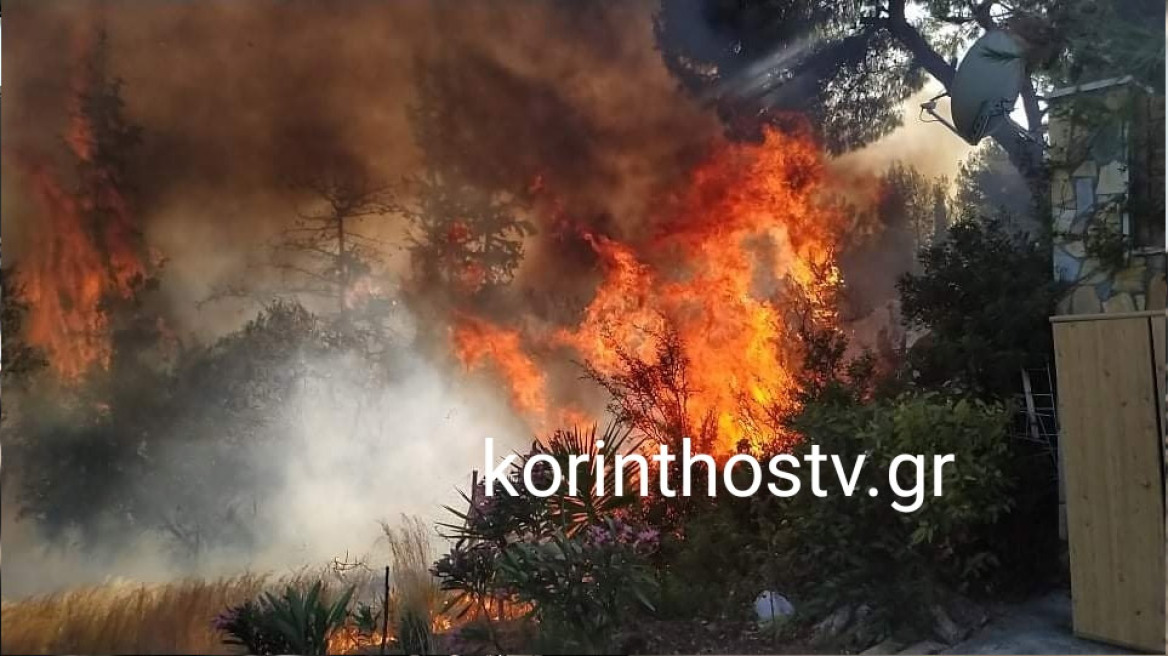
(1111, 391)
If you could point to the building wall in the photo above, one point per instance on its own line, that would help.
(1096, 167)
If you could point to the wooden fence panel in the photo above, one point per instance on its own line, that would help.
(1110, 421)
(1161, 355)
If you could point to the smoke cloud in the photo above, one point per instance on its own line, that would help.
(237, 101)
(240, 101)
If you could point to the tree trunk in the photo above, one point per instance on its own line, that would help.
(1024, 147)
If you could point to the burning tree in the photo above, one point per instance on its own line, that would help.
(325, 253)
(93, 255)
(467, 224)
(467, 241)
(690, 327)
(653, 395)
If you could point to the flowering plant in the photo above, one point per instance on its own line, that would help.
(615, 532)
(585, 587)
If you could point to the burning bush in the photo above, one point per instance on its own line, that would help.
(692, 325)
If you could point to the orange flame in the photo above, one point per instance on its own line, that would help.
(750, 234)
(89, 255)
(477, 341)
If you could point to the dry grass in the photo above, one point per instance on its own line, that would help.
(174, 618)
(414, 593)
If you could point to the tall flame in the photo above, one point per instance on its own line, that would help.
(749, 235)
(90, 253)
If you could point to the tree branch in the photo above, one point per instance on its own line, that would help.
(981, 13)
(1024, 148)
(915, 43)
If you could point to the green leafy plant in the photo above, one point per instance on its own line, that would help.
(501, 517)
(859, 550)
(574, 512)
(985, 299)
(583, 588)
(468, 571)
(297, 622)
(697, 577)
(414, 635)
(490, 527)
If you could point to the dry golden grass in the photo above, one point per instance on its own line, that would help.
(414, 592)
(173, 618)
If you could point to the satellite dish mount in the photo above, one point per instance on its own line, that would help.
(984, 88)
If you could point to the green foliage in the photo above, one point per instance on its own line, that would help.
(709, 566)
(468, 570)
(413, 632)
(502, 517)
(582, 588)
(573, 512)
(497, 532)
(297, 622)
(247, 627)
(859, 549)
(849, 66)
(1108, 39)
(847, 78)
(985, 299)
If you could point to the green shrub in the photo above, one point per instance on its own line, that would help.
(985, 298)
(706, 566)
(859, 549)
(413, 632)
(584, 588)
(496, 532)
(297, 622)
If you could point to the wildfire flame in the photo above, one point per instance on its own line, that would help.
(477, 342)
(88, 255)
(749, 235)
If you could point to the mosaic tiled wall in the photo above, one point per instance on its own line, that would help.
(1087, 198)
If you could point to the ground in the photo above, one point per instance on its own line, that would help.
(1041, 625)
(1038, 626)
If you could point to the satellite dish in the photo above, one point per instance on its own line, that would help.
(985, 87)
